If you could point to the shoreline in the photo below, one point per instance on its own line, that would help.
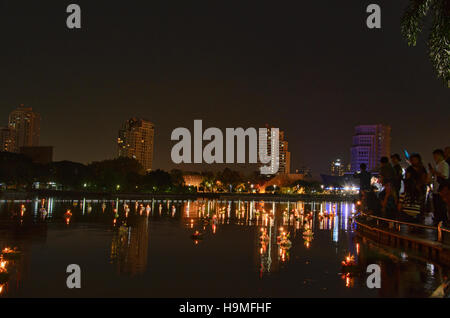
(31, 195)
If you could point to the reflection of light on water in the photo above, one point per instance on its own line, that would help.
(36, 207)
(336, 230)
(3, 266)
(349, 280)
(430, 268)
(404, 256)
(346, 217)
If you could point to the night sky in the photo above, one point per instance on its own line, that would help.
(311, 68)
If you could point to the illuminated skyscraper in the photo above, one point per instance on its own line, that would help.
(7, 139)
(136, 141)
(26, 126)
(370, 143)
(284, 156)
(337, 168)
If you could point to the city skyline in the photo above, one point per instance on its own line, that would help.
(138, 126)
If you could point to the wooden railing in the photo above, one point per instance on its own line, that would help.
(391, 222)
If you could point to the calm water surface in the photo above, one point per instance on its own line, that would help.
(146, 249)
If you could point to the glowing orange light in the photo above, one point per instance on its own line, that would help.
(7, 250)
(349, 260)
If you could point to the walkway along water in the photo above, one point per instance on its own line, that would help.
(433, 242)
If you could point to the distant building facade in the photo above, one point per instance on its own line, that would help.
(284, 156)
(193, 180)
(7, 139)
(26, 126)
(284, 180)
(136, 141)
(304, 170)
(42, 155)
(339, 168)
(370, 143)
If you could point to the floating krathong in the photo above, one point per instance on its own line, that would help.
(8, 253)
(4, 275)
(197, 236)
(349, 264)
(68, 216)
(283, 240)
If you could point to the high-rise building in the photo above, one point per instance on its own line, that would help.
(136, 141)
(26, 125)
(284, 156)
(7, 139)
(370, 143)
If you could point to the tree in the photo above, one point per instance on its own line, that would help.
(16, 169)
(72, 175)
(157, 181)
(439, 38)
(117, 174)
(229, 178)
(177, 177)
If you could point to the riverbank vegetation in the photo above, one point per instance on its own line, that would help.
(19, 173)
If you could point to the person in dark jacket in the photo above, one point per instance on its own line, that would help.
(364, 178)
(398, 173)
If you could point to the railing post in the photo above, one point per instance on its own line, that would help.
(439, 232)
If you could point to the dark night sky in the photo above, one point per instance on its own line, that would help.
(311, 68)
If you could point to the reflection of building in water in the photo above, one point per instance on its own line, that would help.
(402, 275)
(129, 247)
(197, 209)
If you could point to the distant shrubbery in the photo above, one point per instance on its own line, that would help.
(122, 174)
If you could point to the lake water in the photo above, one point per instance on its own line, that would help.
(146, 249)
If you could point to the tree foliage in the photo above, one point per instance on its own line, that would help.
(439, 37)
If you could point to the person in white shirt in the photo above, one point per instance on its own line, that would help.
(440, 175)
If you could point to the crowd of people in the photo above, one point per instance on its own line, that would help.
(410, 193)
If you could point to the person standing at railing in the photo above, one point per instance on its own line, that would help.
(388, 197)
(439, 175)
(364, 179)
(447, 155)
(444, 192)
(398, 173)
(416, 180)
